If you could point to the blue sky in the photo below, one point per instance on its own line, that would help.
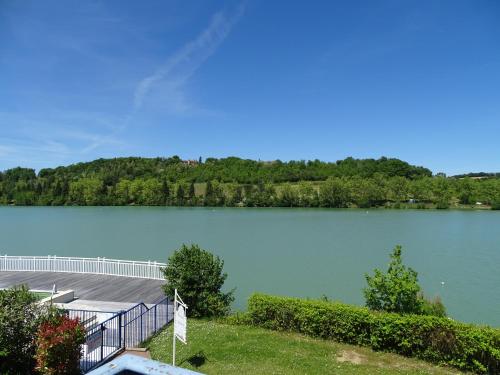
(417, 80)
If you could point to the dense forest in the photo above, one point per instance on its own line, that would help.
(237, 182)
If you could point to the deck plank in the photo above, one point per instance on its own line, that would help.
(88, 286)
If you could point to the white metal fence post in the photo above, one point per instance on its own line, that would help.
(52, 263)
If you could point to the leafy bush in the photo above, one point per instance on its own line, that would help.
(59, 341)
(433, 307)
(495, 205)
(398, 290)
(394, 291)
(198, 277)
(20, 317)
(237, 318)
(438, 340)
(442, 205)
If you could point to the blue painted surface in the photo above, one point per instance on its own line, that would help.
(131, 364)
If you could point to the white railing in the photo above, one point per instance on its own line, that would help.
(99, 266)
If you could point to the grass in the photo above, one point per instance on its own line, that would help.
(41, 295)
(220, 348)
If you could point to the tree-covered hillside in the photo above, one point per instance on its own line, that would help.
(238, 182)
(230, 169)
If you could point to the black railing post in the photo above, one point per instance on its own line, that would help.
(155, 317)
(102, 341)
(141, 325)
(120, 329)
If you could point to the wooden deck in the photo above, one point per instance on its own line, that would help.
(88, 286)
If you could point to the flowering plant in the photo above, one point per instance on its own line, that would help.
(59, 341)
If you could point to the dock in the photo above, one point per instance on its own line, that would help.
(88, 286)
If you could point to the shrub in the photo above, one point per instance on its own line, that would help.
(442, 205)
(238, 318)
(398, 290)
(495, 205)
(198, 277)
(59, 341)
(394, 291)
(433, 307)
(20, 316)
(438, 340)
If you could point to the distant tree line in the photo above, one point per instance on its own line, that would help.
(238, 182)
(478, 175)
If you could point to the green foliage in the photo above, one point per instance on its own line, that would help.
(465, 191)
(438, 340)
(237, 182)
(237, 318)
(36, 336)
(288, 197)
(495, 202)
(198, 277)
(367, 192)
(433, 307)
(398, 290)
(20, 317)
(394, 291)
(86, 191)
(334, 192)
(398, 189)
(442, 192)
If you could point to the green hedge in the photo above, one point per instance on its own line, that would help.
(438, 340)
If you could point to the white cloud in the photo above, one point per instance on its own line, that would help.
(180, 66)
(92, 141)
(52, 139)
(5, 151)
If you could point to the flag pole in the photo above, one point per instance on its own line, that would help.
(173, 329)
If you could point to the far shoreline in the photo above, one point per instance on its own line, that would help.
(403, 207)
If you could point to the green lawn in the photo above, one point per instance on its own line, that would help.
(41, 295)
(217, 348)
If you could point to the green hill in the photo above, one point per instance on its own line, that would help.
(240, 182)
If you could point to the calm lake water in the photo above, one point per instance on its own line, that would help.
(298, 252)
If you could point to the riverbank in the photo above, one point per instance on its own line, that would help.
(391, 206)
(221, 348)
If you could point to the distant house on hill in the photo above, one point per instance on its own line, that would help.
(190, 162)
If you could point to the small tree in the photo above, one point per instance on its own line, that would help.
(394, 291)
(433, 307)
(198, 277)
(59, 341)
(398, 290)
(20, 316)
(495, 205)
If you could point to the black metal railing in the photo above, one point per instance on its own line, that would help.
(141, 321)
(110, 332)
(102, 342)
